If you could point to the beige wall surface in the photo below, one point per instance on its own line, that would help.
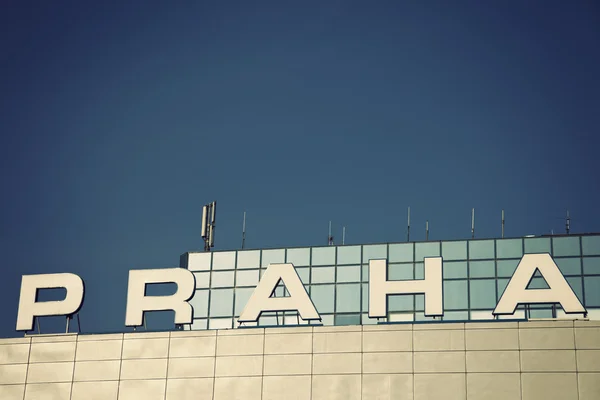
(492, 360)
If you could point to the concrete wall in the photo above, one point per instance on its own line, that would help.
(497, 360)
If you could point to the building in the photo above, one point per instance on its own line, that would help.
(536, 352)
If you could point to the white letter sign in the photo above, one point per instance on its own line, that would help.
(380, 287)
(29, 307)
(517, 293)
(261, 299)
(138, 302)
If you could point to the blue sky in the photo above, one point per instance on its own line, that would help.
(119, 121)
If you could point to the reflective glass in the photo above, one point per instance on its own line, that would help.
(400, 302)
(198, 261)
(200, 303)
(479, 249)
(420, 270)
(455, 295)
(241, 299)
(591, 265)
(246, 278)
(304, 274)
(506, 268)
(323, 275)
(565, 246)
(483, 293)
(220, 323)
(223, 260)
(420, 302)
(501, 283)
(348, 255)
(348, 298)
(248, 259)
(365, 297)
(569, 266)
(298, 257)
(269, 319)
(221, 302)
(509, 248)
(592, 291)
(544, 313)
(400, 272)
(454, 269)
(327, 320)
(348, 274)
(322, 297)
(590, 245)
(537, 245)
(323, 255)
(454, 250)
(430, 249)
(365, 272)
(199, 324)
(419, 316)
(456, 316)
(482, 269)
(576, 284)
(347, 319)
(401, 252)
(272, 257)
(373, 252)
(221, 279)
(537, 283)
(368, 321)
(202, 280)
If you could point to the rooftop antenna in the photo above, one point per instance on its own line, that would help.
(329, 237)
(568, 223)
(502, 224)
(244, 231)
(426, 230)
(473, 223)
(209, 213)
(343, 235)
(408, 227)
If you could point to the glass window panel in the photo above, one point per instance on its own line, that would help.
(223, 260)
(401, 252)
(591, 265)
(483, 293)
(569, 266)
(479, 249)
(482, 269)
(323, 255)
(368, 321)
(537, 245)
(509, 248)
(454, 269)
(400, 302)
(401, 317)
(419, 316)
(200, 303)
(269, 320)
(202, 280)
(241, 299)
(591, 245)
(348, 255)
(565, 246)
(276, 256)
(198, 261)
(506, 268)
(419, 302)
(400, 272)
(293, 319)
(576, 284)
(455, 295)
(502, 283)
(373, 252)
(298, 257)
(327, 320)
(365, 297)
(420, 270)
(592, 291)
(347, 319)
(246, 278)
(322, 297)
(537, 283)
(365, 272)
(484, 314)
(323, 275)
(422, 250)
(221, 302)
(222, 279)
(547, 313)
(454, 250)
(456, 316)
(199, 324)
(248, 259)
(348, 298)
(304, 274)
(348, 274)
(220, 323)
(519, 314)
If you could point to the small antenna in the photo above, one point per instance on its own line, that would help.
(568, 223)
(426, 230)
(502, 224)
(473, 223)
(329, 237)
(343, 235)
(209, 213)
(408, 227)
(244, 231)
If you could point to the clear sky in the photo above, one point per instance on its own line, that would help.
(119, 120)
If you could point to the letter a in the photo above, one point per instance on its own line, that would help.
(261, 299)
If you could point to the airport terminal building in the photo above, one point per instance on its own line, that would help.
(473, 319)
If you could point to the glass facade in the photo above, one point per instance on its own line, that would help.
(475, 274)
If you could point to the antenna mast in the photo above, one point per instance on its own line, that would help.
(329, 237)
(343, 235)
(427, 230)
(408, 227)
(502, 224)
(244, 231)
(209, 213)
(473, 223)
(568, 223)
